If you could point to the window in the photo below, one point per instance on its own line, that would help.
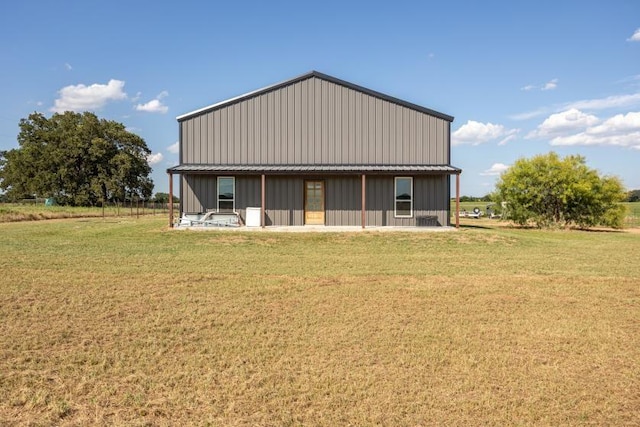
(404, 197)
(226, 194)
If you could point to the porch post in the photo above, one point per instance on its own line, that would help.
(457, 200)
(262, 198)
(170, 199)
(364, 200)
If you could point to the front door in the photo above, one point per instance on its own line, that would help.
(314, 202)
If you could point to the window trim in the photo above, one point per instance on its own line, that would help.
(396, 200)
(233, 199)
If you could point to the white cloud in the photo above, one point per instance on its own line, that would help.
(154, 159)
(174, 148)
(550, 85)
(476, 133)
(83, 98)
(622, 130)
(155, 105)
(529, 114)
(615, 101)
(635, 37)
(68, 66)
(571, 120)
(495, 169)
(512, 134)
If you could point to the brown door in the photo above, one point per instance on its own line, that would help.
(314, 202)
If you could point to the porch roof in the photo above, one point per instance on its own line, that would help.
(296, 169)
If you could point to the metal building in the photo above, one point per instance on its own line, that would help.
(317, 150)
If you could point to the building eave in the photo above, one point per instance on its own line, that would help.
(312, 169)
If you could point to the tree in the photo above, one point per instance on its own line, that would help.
(76, 159)
(547, 191)
(164, 198)
(633, 196)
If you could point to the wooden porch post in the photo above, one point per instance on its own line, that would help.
(262, 198)
(170, 199)
(457, 200)
(364, 200)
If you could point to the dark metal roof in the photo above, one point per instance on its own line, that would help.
(319, 76)
(314, 169)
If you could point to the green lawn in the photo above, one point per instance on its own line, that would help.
(124, 322)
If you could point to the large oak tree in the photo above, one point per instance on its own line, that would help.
(549, 191)
(76, 158)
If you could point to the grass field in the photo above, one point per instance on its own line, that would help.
(15, 212)
(123, 322)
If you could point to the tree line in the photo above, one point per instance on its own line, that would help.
(76, 159)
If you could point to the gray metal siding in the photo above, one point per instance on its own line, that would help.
(314, 121)
(429, 199)
(285, 198)
(343, 199)
(284, 201)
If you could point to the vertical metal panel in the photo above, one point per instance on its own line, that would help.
(195, 194)
(182, 142)
(357, 125)
(304, 125)
(378, 131)
(344, 138)
(247, 194)
(338, 117)
(210, 139)
(187, 142)
(291, 140)
(315, 121)
(419, 136)
(225, 135)
(216, 136)
(342, 200)
(236, 134)
(195, 124)
(325, 122)
(243, 124)
(268, 128)
(406, 132)
(283, 127)
(334, 115)
(284, 200)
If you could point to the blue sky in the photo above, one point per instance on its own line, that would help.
(520, 77)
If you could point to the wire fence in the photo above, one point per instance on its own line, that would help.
(35, 209)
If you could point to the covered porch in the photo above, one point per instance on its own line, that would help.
(319, 195)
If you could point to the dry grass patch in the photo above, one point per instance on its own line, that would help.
(126, 324)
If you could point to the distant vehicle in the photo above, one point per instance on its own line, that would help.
(475, 213)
